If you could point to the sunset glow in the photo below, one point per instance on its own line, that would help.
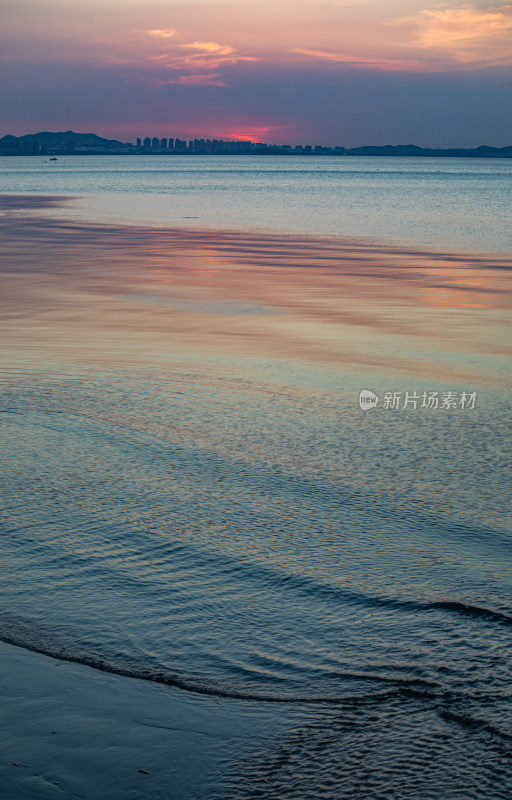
(344, 73)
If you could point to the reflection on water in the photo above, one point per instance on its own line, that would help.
(137, 295)
(459, 203)
(193, 495)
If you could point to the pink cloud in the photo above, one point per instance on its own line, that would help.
(211, 79)
(210, 58)
(358, 61)
(202, 61)
(249, 135)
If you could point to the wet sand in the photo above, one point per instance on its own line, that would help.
(70, 731)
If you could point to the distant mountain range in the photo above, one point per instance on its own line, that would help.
(64, 142)
(69, 142)
(484, 151)
(77, 139)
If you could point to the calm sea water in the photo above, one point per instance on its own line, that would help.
(439, 203)
(223, 516)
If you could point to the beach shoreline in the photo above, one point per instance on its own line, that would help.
(72, 731)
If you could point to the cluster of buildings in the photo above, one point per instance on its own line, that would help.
(228, 147)
(12, 146)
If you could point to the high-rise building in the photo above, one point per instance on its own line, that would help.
(147, 143)
(155, 143)
(171, 144)
(163, 144)
(139, 143)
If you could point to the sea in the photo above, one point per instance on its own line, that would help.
(255, 425)
(458, 203)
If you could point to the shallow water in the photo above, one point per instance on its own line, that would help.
(461, 204)
(192, 494)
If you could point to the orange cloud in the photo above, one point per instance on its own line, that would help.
(445, 27)
(162, 34)
(211, 47)
(465, 34)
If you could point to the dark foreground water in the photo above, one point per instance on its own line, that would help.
(192, 494)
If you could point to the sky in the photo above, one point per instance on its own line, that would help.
(332, 72)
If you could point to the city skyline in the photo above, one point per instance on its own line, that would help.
(72, 143)
(349, 71)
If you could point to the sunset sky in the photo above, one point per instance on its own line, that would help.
(345, 72)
